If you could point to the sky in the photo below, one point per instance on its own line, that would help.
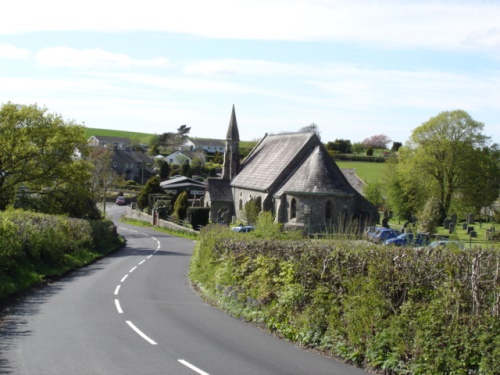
(355, 68)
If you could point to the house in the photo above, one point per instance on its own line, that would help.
(210, 146)
(178, 157)
(290, 175)
(105, 141)
(133, 165)
(179, 184)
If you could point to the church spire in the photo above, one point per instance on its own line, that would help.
(232, 153)
(232, 131)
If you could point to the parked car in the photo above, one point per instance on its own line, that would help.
(383, 234)
(120, 200)
(243, 228)
(369, 232)
(447, 244)
(408, 239)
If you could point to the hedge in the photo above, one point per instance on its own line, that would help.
(35, 246)
(396, 310)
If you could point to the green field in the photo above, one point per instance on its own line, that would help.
(367, 171)
(134, 136)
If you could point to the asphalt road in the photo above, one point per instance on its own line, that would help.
(135, 313)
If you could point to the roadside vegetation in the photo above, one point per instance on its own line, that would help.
(394, 310)
(38, 247)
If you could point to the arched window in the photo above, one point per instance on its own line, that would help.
(293, 209)
(241, 204)
(328, 211)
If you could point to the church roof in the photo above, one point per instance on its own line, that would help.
(273, 159)
(317, 175)
(220, 190)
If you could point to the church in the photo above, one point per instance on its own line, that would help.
(291, 175)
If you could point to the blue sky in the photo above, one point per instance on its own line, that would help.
(355, 68)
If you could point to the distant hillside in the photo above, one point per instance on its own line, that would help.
(140, 137)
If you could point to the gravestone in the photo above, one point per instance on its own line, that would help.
(470, 229)
(473, 234)
(470, 218)
(446, 223)
(464, 226)
(452, 227)
(453, 218)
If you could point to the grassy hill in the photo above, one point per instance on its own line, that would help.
(134, 136)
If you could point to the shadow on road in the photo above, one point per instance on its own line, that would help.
(16, 314)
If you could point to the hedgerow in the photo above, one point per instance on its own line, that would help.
(397, 310)
(34, 246)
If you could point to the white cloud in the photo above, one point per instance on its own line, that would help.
(436, 24)
(12, 52)
(93, 58)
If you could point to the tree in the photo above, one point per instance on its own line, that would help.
(164, 170)
(171, 140)
(373, 192)
(252, 210)
(151, 187)
(186, 169)
(311, 128)
(103, 176)
(343, 146)
(43, 156)
(395, 146)
(376, 141)
(180, 206)
(442, 154)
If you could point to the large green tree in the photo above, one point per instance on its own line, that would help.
(42, 164)
(439, 160)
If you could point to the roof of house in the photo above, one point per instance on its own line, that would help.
(272, 160)
(181, 183)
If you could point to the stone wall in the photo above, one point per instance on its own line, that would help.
(142, 216)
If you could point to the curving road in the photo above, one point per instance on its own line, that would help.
(135, 313)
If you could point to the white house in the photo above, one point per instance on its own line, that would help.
(177, 157)
(210, 146)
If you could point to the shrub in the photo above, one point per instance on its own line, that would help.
(198, 216)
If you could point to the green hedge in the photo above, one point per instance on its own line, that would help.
(354, 157)
(35, 246)
(391, 309)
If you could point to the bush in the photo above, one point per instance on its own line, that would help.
(198, 216)
(180, 206)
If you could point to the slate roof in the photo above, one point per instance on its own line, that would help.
(220, 190)
(273, 159)
(317, 175)
(182, 182)
(354, 180)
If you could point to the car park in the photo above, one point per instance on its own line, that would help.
(120, 200)
(408, 239)
(243, 228)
